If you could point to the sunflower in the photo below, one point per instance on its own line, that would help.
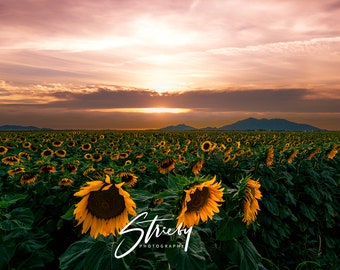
(21, 139)
(206, 146)
(24, 155)
(158, 201)
(181, 159)
(270, 156)
(166, 165)
(88, 171)
(28, 178)
(292, 156)
(312, 154)
(332, 153)
(34, 148)
(150, 151)
(114, 157)
(15, 171)
(86, 146)
(97, 157)
(142, 168)
(166, 151)
(109, 171)
(88, 156)
(123, 155)
(47, 153)
(10, 145)
(128, 178)
(72, 168)
(60, 153)
(10, 160)
(5, 139)
(3, 150)
(97, 174)
(184, 149)
(65, 182)
(26, 145)
(198, 166)
(47, 168)
(71, 144)
(239, 152)
(250, 203)
(139, 155)
(128, 162)
(201, 202)
(57, 143)
(227, 152)
(226, 159)
(104, 208)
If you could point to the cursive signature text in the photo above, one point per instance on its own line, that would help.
(154, 230)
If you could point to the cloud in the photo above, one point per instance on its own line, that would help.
(217, 58)
(94, 97)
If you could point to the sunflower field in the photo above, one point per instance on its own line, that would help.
(169, 200)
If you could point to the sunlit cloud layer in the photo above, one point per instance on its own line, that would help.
(111, 107)
(220, 60)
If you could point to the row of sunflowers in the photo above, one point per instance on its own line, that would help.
(169, 200)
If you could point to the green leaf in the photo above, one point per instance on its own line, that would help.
(73, 257)
(308, 212)
(19, 218)
(243, 253)
(7, 250)
(10, 199)
(98, 257)
(191, 259)
(69, 214)
(290, 197)
(330, 209)
(271, 204)
(231, 228)
(96, 254)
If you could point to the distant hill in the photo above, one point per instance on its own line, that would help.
(21, 128)
(178, 127)
(254, 124)
(269, 125)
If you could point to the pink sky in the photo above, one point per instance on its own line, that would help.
(62, 62)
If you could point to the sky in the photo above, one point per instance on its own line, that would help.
(112, 64)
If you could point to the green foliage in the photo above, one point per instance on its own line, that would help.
(296, 228)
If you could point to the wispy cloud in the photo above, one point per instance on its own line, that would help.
(110, 98)
(88, 60)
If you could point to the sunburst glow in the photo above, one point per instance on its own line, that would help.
(143, 110)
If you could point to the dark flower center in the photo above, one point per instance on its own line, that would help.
(106, 204)
(86, 146)
(96, 156)
(27, 176)
(167, 163)
(47, 153)
(198, 200)
(206, 146)
(127, 178)
(70, 167)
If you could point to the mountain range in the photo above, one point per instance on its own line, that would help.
(253, 124)
(248, 124)
(21, 128)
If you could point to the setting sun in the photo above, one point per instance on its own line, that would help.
(165, 110)
(143, 110)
